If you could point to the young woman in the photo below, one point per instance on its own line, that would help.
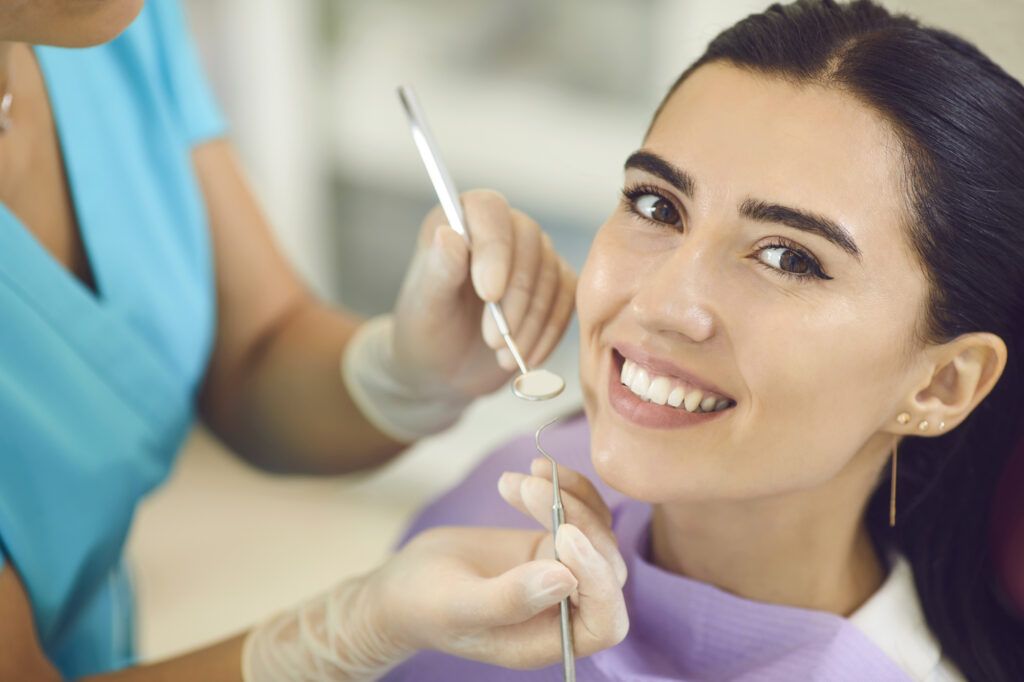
(813, 279)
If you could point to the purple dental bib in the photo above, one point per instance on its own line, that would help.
(680, 629)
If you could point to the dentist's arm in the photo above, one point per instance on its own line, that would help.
(272, 390)
(484, 594)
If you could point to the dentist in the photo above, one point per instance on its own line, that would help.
(140, 288)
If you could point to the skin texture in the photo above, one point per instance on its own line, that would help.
(766, 499)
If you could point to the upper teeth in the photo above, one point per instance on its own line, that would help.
(666, 391)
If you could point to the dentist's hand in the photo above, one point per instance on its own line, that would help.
(491, 595)
(440, 309)
(412, 373)
(478, 593)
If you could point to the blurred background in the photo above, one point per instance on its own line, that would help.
(540, 100)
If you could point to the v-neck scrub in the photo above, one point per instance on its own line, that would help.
(97, 390)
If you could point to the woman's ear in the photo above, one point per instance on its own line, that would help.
(964, 370)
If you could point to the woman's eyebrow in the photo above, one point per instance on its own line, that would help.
(762, 211)
(655, 165)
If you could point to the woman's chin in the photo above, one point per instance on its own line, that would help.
(98, 23)
(636, 477)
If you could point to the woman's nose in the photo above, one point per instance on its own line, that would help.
(674, 297)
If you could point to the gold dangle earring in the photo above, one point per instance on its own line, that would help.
(902, 418)
(892, 488)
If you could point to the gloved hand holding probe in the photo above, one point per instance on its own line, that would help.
(441, 592)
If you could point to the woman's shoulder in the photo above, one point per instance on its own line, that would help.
(893, 620)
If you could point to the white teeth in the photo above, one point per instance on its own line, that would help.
(658, 392)
(640, 383)
(693, 399)
(628, 371)
(665, 391)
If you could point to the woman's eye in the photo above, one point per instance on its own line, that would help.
(786, 259)
(657, 208)
(791, 261)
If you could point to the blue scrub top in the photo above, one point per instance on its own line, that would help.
(97, 391)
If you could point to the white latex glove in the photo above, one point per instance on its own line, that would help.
(484, 594)
(413, 373)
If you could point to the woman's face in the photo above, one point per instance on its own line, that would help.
(758, 258)
(66, 23)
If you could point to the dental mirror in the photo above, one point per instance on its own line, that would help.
(535, 384)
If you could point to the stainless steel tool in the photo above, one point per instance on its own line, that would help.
(557, 519)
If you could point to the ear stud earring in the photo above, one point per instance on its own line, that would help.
(903, 418)
(923, 426)
(942, 426)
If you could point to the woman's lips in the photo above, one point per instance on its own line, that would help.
(650, 415)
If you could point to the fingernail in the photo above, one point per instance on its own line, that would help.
(536, 489)
(582, 545)
(619, 566)
(437, 259)
(548, 587)
(578, 543)
(487, 281)
(508, 482)
(435, 240)
(505, 359)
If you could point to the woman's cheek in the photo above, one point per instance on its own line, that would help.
(604, 282)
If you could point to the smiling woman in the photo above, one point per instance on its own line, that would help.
(815, 264)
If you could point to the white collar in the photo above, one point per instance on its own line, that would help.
(893, 620)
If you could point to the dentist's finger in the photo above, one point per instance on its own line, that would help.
(600, 619)
(532, 496)
(527, 258)
(577, 484)
(510, 598)
(489, 221)
(447, 265)
(521, 291)
(542, 299)
(558, 321)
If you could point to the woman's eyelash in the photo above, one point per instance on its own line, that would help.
(634, 192)
(631, 193)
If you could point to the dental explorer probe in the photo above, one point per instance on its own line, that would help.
(537, 384)
(557, 519)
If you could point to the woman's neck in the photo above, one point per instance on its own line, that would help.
(808, 549)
